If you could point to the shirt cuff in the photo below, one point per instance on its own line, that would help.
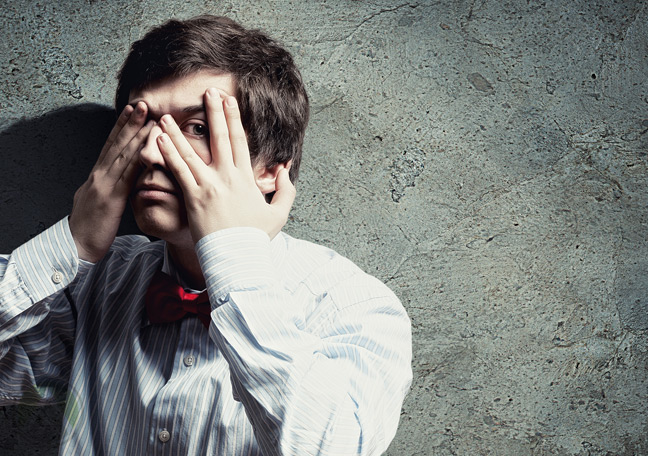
(235, 259)
(48, 262)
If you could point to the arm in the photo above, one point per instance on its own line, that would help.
(100, 202)
(337, 390)
(332, 384)
(37, 320)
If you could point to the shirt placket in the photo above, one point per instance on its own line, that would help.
(168, 432)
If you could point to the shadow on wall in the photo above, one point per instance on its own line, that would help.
(44, 161)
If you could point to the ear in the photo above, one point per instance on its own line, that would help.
(266, 177)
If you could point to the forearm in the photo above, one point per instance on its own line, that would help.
(36, 324)
(33, 272)
(332, 387)
(304, 395)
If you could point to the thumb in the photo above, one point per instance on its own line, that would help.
(282, 200)
(285, 192)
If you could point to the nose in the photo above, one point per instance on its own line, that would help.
(150, 156)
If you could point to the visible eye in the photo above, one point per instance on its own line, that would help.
(199, 130)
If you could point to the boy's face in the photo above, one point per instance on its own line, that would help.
(156, 199)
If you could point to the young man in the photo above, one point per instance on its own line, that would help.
(291, 350)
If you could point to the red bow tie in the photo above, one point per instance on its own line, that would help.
(166, 301)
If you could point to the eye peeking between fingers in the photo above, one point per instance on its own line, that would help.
(195, 129)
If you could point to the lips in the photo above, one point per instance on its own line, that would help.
(154, 192)
(154, 187)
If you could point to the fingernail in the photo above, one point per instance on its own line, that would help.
(166, 119)
(140, 108)
(163, 138)
(213, 93)
(231, 102)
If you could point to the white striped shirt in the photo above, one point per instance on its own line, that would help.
(305, 354)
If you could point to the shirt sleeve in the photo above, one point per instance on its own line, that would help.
(35, 355)
(334, 389)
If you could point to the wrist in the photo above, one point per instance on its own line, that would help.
(236, 259)
(82, 252)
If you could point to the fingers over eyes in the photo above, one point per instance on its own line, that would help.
(178, 154)
(219, 140)
(129, 123)
(237, 137)
(127, 158)
(227, 141)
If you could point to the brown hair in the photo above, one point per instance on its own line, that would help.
(269, 88)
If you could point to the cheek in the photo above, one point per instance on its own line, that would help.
(201, 147)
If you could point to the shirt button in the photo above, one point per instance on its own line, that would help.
(57, 277)
(164, 436)
(189, 360)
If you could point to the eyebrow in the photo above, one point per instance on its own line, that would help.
(194, 109)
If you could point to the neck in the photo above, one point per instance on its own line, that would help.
(186, 263)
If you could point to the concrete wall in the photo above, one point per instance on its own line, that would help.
(486, 159)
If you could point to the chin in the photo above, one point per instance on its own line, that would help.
(160, 222)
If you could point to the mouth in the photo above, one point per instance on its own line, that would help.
(154, 192)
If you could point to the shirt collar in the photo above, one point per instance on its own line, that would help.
(169, 268)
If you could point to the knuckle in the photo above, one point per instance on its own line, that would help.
(121, 122)
(123, 118)
(211, 192)
(233, 113)
(144, 131)
(136, 119)
(184, 174)
(95, 176)
(216, 105)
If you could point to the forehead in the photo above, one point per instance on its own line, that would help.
(175, 94)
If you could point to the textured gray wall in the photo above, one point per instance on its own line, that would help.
(486, 159)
